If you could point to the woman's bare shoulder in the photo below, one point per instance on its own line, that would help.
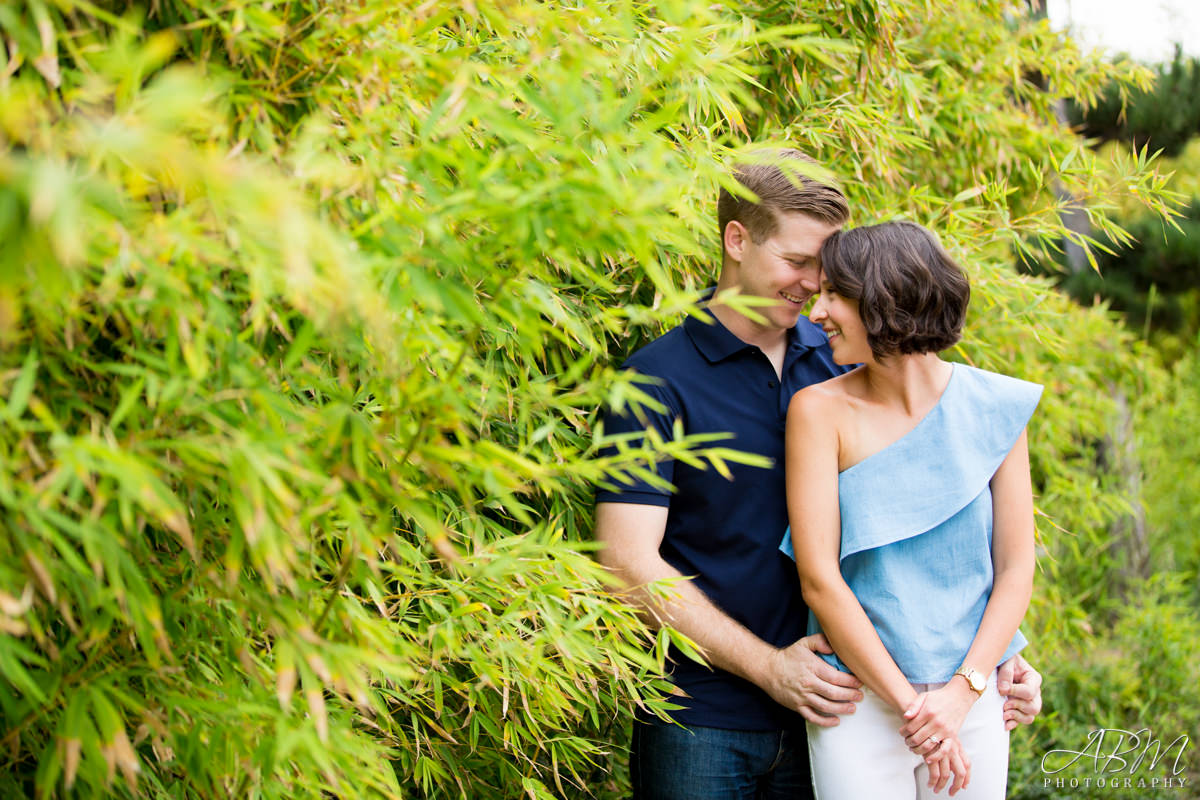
(835, 390)
(826, 400)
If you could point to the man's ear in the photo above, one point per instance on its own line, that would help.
(734, 239)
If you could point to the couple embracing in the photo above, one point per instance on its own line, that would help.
(859, 600)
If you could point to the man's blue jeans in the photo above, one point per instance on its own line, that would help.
(669, 762)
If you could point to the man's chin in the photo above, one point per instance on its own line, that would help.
(788, 317)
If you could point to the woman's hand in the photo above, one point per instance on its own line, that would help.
(951, 761)
(934, 718)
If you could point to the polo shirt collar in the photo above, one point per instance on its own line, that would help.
(806, 335)
(716, 343)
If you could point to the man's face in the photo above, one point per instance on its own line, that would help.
(784, 268)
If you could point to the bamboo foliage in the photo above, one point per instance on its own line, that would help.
(305, 313)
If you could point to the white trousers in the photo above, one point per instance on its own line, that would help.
(864, 757)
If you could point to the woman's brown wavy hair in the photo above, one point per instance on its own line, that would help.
(912, 296)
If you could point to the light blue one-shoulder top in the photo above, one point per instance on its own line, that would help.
(917, 524)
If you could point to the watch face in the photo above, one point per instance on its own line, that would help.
(974, 679)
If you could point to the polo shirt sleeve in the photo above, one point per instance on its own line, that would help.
(631, 485)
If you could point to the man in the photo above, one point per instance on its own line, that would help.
(741, 731)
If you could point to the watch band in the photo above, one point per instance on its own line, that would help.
(974, 679)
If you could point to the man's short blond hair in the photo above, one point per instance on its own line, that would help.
(779, 189)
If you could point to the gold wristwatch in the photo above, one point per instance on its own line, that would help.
(974, 679)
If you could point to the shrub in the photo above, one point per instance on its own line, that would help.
(1137, 673)
(305, 313)
(1163, 117)
(1152, 281)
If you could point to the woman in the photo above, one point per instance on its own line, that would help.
(912, 520)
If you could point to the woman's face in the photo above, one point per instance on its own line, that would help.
(838, 317)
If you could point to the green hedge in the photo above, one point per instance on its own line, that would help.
(306, 310)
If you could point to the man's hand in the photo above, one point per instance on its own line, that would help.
(1022, 685)
(796, 678)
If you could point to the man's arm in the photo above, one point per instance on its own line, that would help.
(631, 534)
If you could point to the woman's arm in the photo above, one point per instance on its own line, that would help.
(941, 712)
(812, 496)
(1012, 559)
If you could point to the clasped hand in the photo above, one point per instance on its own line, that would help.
(934, 719)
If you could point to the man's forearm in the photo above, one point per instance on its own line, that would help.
(630, 536)
(723, 641)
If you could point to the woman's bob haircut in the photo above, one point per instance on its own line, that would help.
(912, 296)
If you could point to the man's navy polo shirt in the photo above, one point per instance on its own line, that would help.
(725, 533)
